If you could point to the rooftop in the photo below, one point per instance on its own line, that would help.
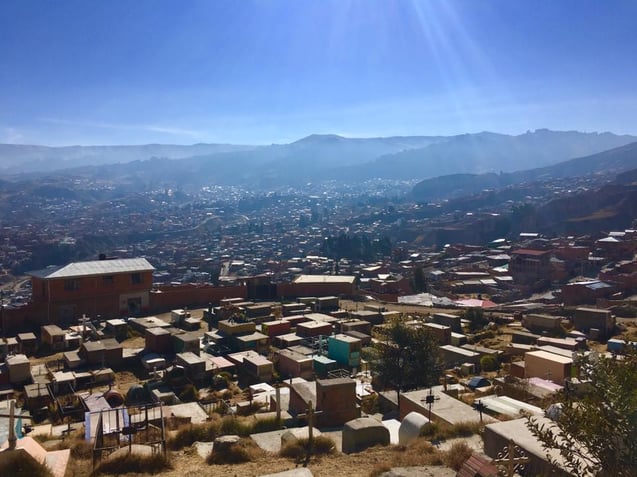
(95, 267)
(313, 279)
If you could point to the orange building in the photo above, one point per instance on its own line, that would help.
(110, 288)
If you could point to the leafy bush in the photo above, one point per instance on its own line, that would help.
(489, 363)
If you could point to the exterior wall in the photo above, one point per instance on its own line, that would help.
(169, 297)
(441, 333)
(276, 328)
(337, 399)
(158, 340)
(315, 289)
(529, 266)
(307, 329)
(587, 318)
(295, 365)
(540, 367)
(580, 294)
(91, 295)
(453, 356)
(446, 319)
(542, 322)
(345, 352)
(259, 368)
(232, 328)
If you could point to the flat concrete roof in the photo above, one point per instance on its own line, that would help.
(518, 431)
(549, 357)
(445, 408)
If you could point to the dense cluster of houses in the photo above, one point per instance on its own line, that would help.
(293, 346)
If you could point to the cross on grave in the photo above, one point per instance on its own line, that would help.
(429, 400)
(12, 428)
(309, 415)
(480, 407)
(510, 460)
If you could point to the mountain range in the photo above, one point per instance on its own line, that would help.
(314, 158)
(611, 162)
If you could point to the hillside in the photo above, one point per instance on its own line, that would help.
(311, 159)
(609, 162)
(489, 152)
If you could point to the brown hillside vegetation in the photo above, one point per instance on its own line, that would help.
(372, 462)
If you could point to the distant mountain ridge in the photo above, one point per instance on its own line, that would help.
(613, 161)
(313, 158)
(17, 158)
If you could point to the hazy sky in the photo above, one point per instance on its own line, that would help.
(258, 72)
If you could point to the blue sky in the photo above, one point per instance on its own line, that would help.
(260, 72)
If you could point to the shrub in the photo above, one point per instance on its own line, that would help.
(233, 426)
(18, 464)
(457, 455)
(245, 450)
(369, 405)
(189, 434)
(322, 445)
(134, 463)
(266, 425)
(464, 429)
(489, 363)
(439, 432)
(81, 449)
(189, 394)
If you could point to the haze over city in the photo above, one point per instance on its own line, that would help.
(256, 72)
(318, 238)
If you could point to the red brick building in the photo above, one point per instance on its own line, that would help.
(528, 266)
(110, 288)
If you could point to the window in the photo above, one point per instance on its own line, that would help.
(71, 285)
(108, 280)
(136, 278)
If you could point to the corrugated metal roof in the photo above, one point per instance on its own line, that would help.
(95, 267)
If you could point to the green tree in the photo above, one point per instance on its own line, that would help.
(476, 318)
(419, 282)
(406, 357)
(597, 433)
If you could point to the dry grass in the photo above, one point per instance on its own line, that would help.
(298, 449)
(18, 464)
(134, 463)
(246, 450)
(380, 469)
(420, 452)
(188, 434)
(440, 431)
(457, 455)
